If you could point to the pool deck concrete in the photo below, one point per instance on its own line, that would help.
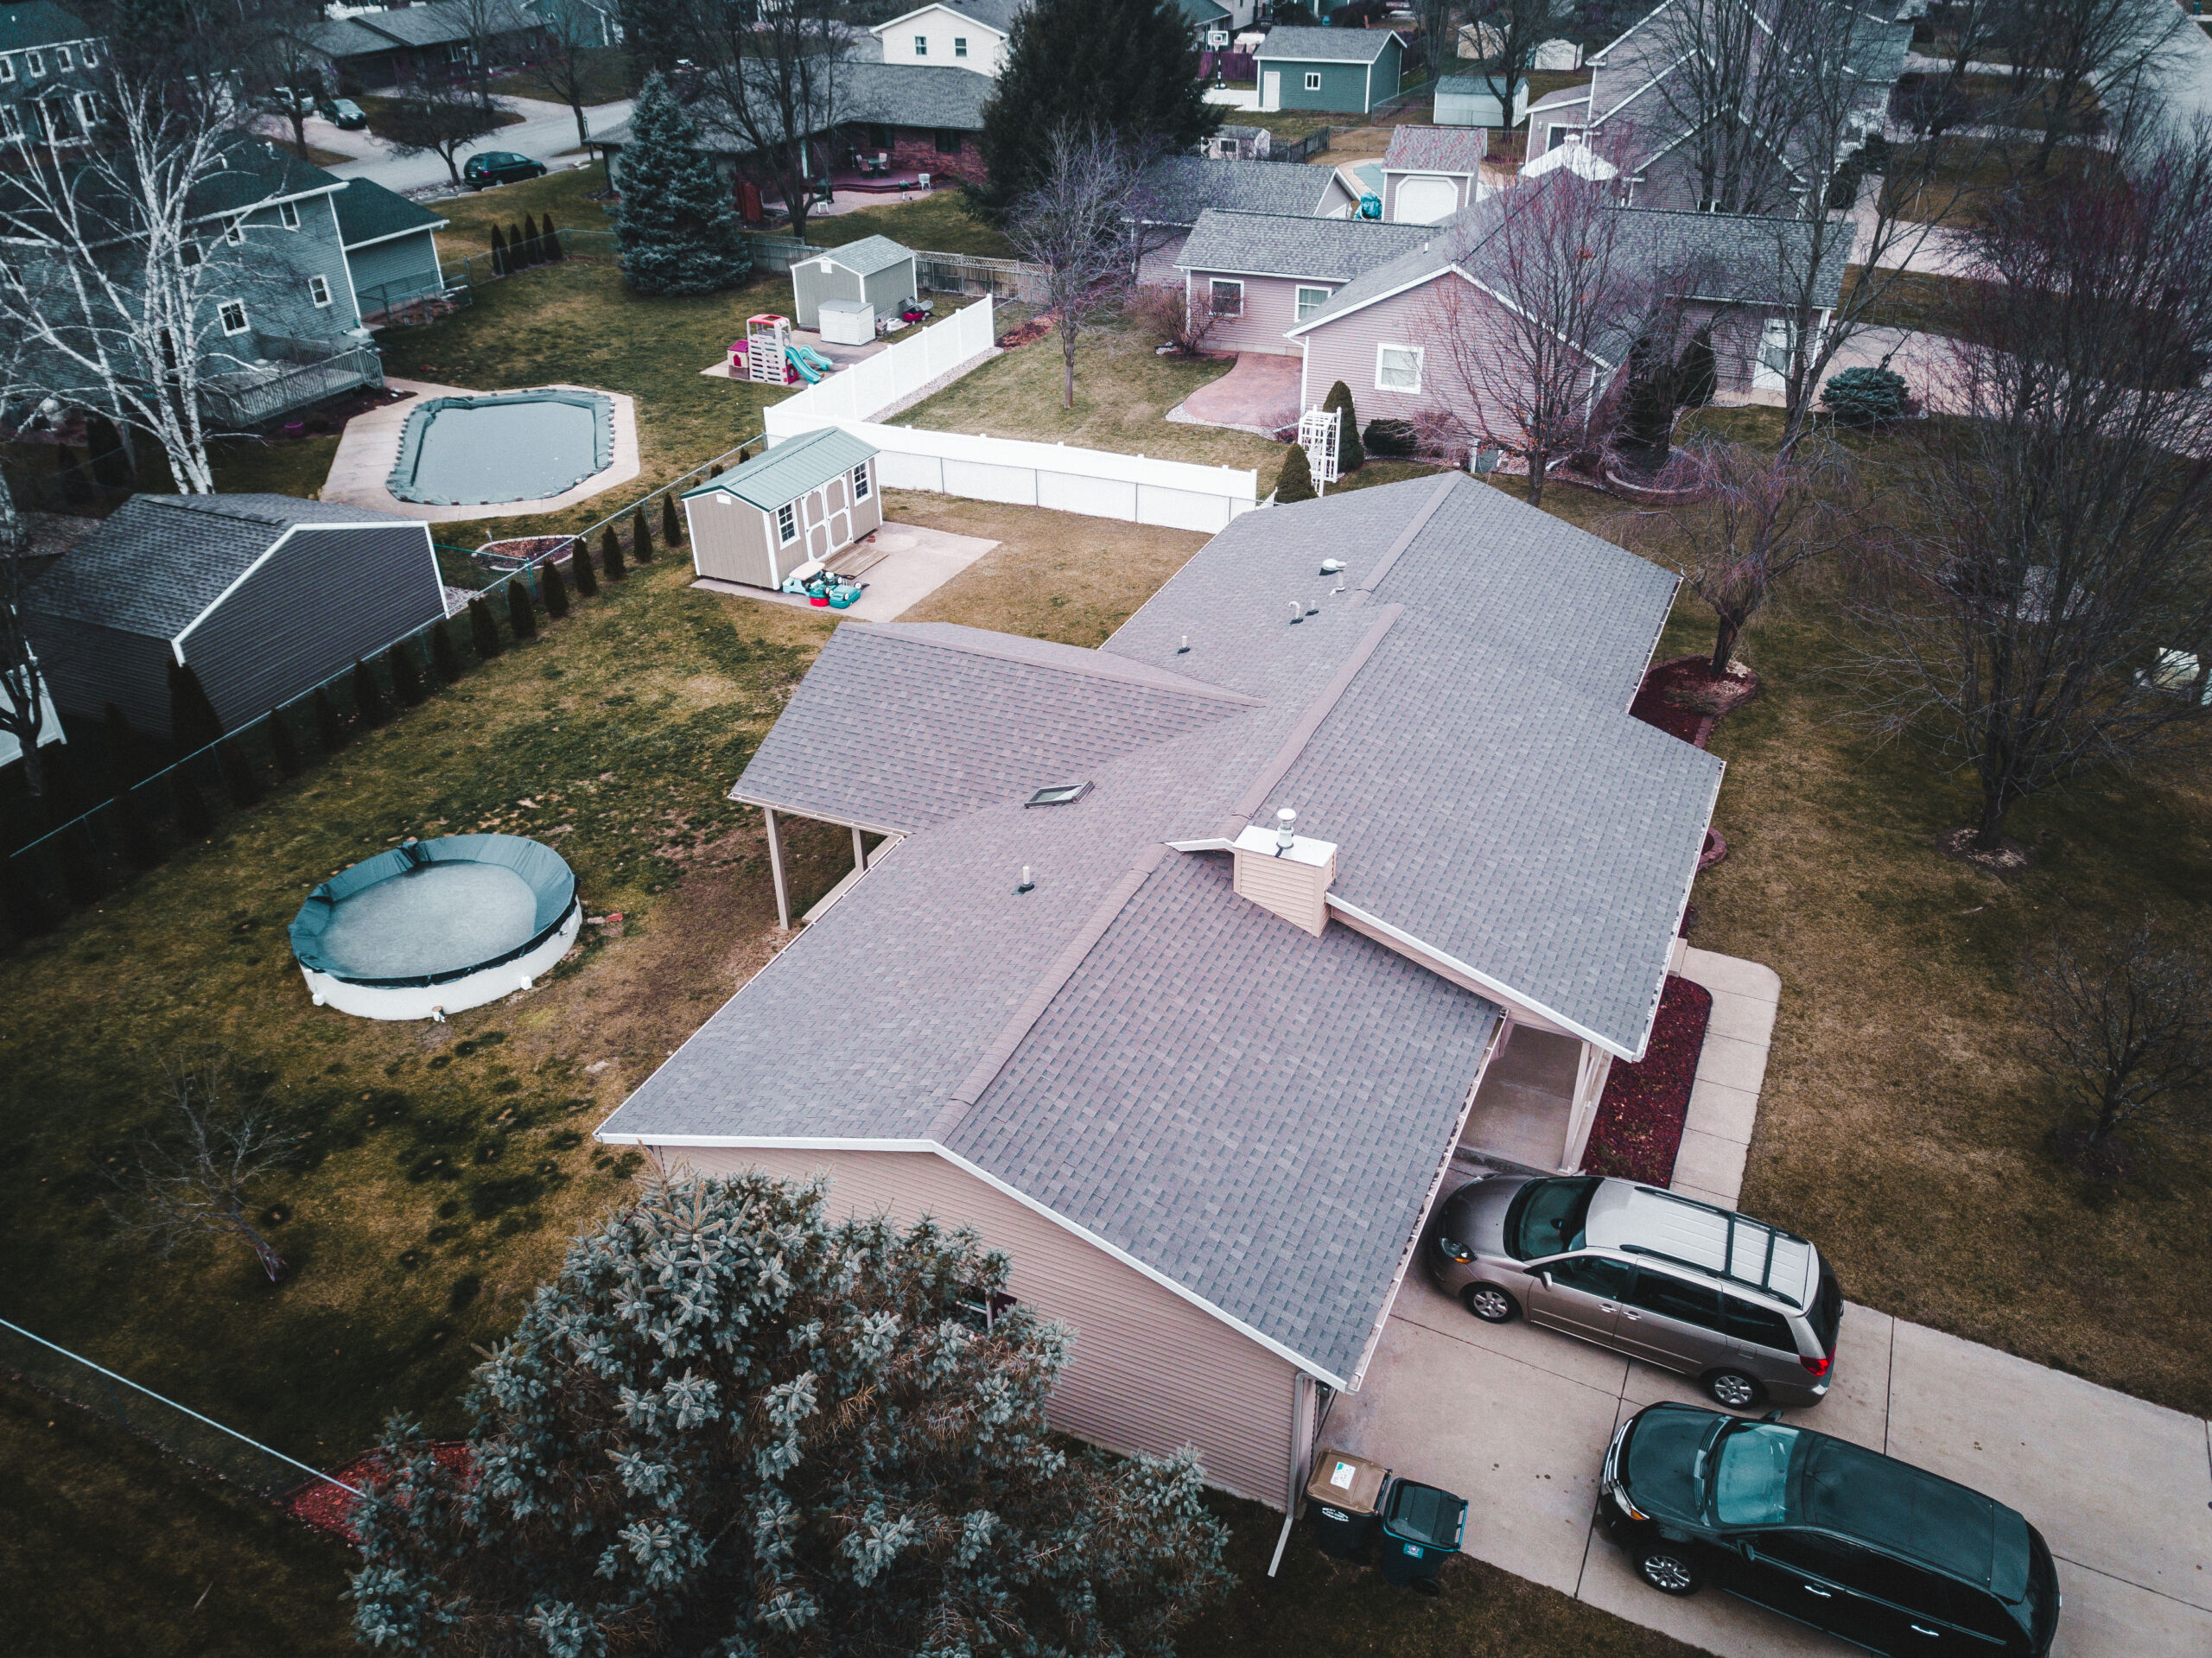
(370, 448)
(916, 562)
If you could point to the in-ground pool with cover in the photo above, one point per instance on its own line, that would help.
(514, 446)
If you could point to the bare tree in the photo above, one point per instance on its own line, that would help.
(570, 33)
(274, 52)
(1760, 517)
(1507, 34)
(1072, 222)
(1167, 310)
(219, 1135)
(774, 77)
(441, 118)
(1560, 300)
(23, 688)
(1731, 87)
(2063, 539)
(2123, 1027)
(2065, 50)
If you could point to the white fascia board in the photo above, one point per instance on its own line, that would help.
(1296, 329)
(1277, 276)
(737, 794)
(677, 1143)
(262, 202)
(1625, 33)
(393, 236)
(906, 16)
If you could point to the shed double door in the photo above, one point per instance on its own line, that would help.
(827, 512)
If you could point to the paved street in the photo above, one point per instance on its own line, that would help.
(547, 134)
(1517, 1421)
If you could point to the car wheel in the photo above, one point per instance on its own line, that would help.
(1669, 1570)
(1489, 1304)
(1733, 1390)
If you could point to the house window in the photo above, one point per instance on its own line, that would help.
(85, 50)
(921, 46)
(35, 64)
(948, 141)
(234, 231)
(288, 214)
(7, 67)
(88, 112)
(1312, 81)
(1311, 300)
(231, 314)
(319, 289)
(1397, 368)
(53, 118)
(187, 253)
(959, 46)
(786, 524)
(61, 60)
(860, 481)
(11, 122)
(1225, 298)
(1058, 794)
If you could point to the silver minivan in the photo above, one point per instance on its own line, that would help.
(1751, 1311)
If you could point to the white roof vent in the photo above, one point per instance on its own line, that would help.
(1285, 872)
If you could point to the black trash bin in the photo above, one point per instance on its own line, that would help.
(1343, 1495)
(1421, 1526)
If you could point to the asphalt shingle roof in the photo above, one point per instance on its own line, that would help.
(869, 255)
(1181, 188)
(1254, 1112)
(1295, 45)
(1436, 150)
(369, 212)
(39, 22)
(442, 23)
(159, 560)
(884, 94)
(789, 470)
(1279, 244)
(992, 14)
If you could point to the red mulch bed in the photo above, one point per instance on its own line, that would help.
(330, 1510)
(1655, 702)
(1639, 1123)
(1035, 328)
(1652, 708)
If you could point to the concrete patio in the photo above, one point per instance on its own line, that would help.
(914, 562)
(1260, 394)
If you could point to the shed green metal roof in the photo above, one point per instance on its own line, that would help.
(791, 469)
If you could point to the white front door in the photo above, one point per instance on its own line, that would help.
(1271, 90)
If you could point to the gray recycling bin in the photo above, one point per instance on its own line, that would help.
(1344, 1494)
(1421, 1526)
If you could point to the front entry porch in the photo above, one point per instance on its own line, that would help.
(1537, 1100)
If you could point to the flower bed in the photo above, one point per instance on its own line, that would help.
(1684, 700)
(329, 1509)
(1639, 1124)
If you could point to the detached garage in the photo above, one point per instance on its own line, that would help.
(802, 502)
(875, 271)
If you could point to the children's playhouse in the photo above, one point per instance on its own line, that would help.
(785, 515)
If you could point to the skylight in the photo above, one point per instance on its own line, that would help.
(1061, 794)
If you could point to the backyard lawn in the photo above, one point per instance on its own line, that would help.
(936, 223)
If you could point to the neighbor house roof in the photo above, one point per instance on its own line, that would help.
(1205, 13)
(442, 23)
(997, 15)
(344, 37)
(789, 469)
(869, 255)
(1436, 150)
(1253, 1114)
(39, 22)
(368, 213)
(886, 94)
(159, 560)
(1282, 245)
(1183, 187)
(1326, 45)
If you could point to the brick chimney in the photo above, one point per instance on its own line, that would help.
(1281, 871)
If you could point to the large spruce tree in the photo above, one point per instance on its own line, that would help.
(674, 229)
(1127, 67)
(733, 1426)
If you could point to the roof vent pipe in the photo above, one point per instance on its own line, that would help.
(1286, 830)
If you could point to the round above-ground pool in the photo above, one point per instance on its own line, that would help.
(506, 446)
(431, 927)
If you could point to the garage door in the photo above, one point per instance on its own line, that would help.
(1423, 200)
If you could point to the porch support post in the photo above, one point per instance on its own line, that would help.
(1589, 1087)
(776, 871)
(860, 849)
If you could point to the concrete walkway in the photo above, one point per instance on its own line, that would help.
(546, 131)
(1731, 1068)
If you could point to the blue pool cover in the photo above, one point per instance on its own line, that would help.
(428, 912)
(510, 446)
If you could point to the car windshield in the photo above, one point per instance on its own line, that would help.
(1547, 1218)
(1751, 1475)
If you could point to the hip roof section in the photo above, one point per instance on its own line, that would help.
(1281, 244)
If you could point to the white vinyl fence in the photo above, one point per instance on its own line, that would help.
(872, 385)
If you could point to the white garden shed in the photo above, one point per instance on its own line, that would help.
(874, 271)
(802, 502)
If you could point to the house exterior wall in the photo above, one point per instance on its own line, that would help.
(1270, 307)
(1346, 349)
(88, 666)
(1150, 1371)
(917, 149)
(942, 33)
(325, 595)
(389, 273)
(1345, 87)
(269, 274)
(730, 539)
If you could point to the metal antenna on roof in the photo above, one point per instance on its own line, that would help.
(1286, 833)
(1027, 885)
(1297, 613)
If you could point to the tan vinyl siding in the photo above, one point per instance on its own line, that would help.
(1346, 349)
(730, 539)
(1270, 307)
(1150, 1371)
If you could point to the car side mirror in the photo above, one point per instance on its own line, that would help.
(1545, 1279)
(1771, 1416)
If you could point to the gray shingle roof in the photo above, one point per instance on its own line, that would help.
(441, 22)
(39, 22)
(1325, 45)
(342, 37)
(1254, 1112)
(992, 14)
(1279, 244)
(884, 94)
(1180, 188)
(1436, 150)
(159, 560)
(369, 212)
(870, 254)
(789, 470)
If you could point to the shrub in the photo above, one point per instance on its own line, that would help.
(368, 696)
(241, 778)
(498, 252)
(522, 615)
(553, 590)
(641, 535)
(29, 912)
(580, 566)
(1390, 437)
(610, 554)
(1349, 456)
(1697, 372)
(194, 820)
(483, 631)
(672, 521)
(1295, 481)
(406, 676)
(443, 656)
(282, 748)
(142, 847)
(329, 729)
(194, 724)
(1864, 396)
(552, 243)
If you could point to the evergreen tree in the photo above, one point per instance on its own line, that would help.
(641, 535)
(194, 821)
(499, 260)
(329, 729)
(141, 848)
(552, 249)
(406, 674)
(192, 720)
(443, 656)
(768, 1433)
(241, 778)
(553, 590)
(1129, 66)
(526, 239)
(125, 755)
(1295, 481)
(672, 522)
(610, 554)
(1349, 456)
(1697, 373)
(30, 914)
(580, 566)
(484, 631)
(674, 227)
(522, 615)
(282, 748)
(368, 696)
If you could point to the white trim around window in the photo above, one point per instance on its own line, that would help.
(921, 46)
(288, 214)
(85, 52)
(860, 482)
(959, 46)
(786, 524)
(319, 291)
(62, 60)
(1397, 368)
(231, 312)
(1224, 296)
(7, 67)
(1311, 300)
(234, 231)
(1312, 81)
(88, 111)
(11, 121)
(35, 64)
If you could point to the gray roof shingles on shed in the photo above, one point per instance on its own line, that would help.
(1283, 244)
(869, 255)
(1293, 45)
(159, 560)
(1436, 150)
(369, 212)
(1253, 1114)
(1180, 188)
(789, 469)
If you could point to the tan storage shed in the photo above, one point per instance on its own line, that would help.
(807, 499)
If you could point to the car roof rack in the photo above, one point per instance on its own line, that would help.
(1760, 1238)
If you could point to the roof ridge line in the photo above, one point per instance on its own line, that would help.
(1041, 995)
(1419, 523)
(1196, 687)
(1284, 758)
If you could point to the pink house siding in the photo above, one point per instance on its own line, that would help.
(1347, 348)
(1270, 307)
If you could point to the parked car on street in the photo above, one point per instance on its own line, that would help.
(343, 113)
(1859, 1544)
(290, 100)
(1751, 1311)
(499, 166)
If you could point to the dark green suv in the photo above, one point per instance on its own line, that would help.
(1854, 1543)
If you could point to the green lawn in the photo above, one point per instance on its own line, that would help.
(606, 76)
(936, 223)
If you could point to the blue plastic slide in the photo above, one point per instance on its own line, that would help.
(814, 359)
(797, 356)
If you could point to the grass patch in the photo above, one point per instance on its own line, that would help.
(607, 78)
(936, 223)
(1970, 174)
(564, 192)
(1289, 126)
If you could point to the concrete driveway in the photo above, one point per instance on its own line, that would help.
(1517, 1421)
(547, 130)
